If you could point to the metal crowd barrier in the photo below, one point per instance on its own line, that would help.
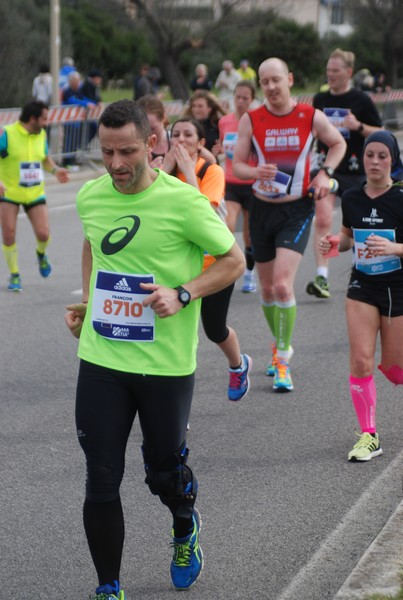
(72, 129)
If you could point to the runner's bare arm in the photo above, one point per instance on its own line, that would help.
(75, 316)
(242, 151)
(86, 267)
(227, 268)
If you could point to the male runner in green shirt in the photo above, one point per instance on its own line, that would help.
(145, 234)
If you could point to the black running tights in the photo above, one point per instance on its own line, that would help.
(107, 402)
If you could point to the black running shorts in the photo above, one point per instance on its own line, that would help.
(387, 297)
(279, 225)
(240, 193)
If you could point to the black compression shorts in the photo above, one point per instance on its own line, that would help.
(240, 193)
(387, 297)
(279, 225)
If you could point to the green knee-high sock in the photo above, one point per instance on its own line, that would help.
(270, 313)
(11, 256)
(41, 246)
(286, 315)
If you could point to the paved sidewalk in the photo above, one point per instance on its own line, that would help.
(380, 569)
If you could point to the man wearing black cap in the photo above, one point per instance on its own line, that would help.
(92, 85)
(91, 90)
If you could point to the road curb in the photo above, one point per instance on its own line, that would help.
(380, 569)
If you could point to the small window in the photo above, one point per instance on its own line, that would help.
(337, 17)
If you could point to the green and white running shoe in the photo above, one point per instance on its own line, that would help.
(319, 287)
(367, 447)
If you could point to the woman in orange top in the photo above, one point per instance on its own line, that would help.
(183, 160)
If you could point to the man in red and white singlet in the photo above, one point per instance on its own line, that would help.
(282, 132)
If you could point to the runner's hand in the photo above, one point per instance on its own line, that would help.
(74, 318)
(266, 172)
(62, 175)
(163, 301)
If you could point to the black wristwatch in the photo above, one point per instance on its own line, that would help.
(183, 295)
(328, 170)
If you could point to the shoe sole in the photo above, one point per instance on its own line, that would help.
(367, 458)
(45, 274)
(247, 380)
(248, 291)
(14, 289)
(314, 290)
(282, 389)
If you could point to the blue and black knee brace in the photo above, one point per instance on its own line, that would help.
(172, 480)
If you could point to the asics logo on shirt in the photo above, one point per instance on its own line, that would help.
(110, 245)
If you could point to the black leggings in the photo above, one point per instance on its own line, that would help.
(107, 402)
(214, 311)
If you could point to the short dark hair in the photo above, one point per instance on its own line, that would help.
(248, 84)
(121, 113)
(34, 108)
(197, 125)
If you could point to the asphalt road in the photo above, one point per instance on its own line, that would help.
(285, 516)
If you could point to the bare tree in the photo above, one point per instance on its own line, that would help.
(382, 18)
(174, 32)
(20, 61)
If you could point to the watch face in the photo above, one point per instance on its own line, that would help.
(329, 171)
(185, 297)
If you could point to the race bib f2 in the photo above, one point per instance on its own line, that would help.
(368, 262)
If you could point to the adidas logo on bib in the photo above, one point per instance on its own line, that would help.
(122, 285)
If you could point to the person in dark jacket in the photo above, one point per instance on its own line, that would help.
(73, 131)
(201, 79)
(91, 89)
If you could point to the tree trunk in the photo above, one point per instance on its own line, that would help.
(173, 75)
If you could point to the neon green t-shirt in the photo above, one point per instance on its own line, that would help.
(161, 233)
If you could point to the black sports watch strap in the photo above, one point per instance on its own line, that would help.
(328, 170)
(183, 295)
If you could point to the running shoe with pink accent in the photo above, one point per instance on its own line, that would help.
(239, 379)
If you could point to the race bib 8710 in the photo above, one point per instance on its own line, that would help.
(117, 309)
